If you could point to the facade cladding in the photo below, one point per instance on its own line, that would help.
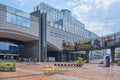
(39, 34)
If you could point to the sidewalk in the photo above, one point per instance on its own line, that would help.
(86, 72)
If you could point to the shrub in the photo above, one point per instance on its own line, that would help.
(79, 61)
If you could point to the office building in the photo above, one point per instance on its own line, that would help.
(39, 34)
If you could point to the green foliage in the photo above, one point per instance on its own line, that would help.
(7, 64)
(118, 55)
(80, 60)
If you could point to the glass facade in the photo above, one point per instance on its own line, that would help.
(17, 17)
(10, 48)
(61, 21)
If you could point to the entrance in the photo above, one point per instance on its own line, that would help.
(7, 56)
(1, 57)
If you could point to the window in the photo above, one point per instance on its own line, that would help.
(51, 24)
(18, 20)
(60, 27)
(56, 26)
(17, 12)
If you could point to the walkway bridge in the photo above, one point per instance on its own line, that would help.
(111, 42)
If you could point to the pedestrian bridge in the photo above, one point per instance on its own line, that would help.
(111, 42)
(98, 43)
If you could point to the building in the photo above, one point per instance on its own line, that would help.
(65, 22)
(61, 27)
(19, 34)
(39, 34)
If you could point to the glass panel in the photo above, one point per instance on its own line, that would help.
(7, 46)
(13, 19)
(18, 20)
(17, 12)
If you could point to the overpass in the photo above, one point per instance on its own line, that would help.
(111, 42)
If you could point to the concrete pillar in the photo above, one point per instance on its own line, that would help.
(38, 14)
(91, 55)
(12, 57)
(63, 56)
(43, 37)
(87, 55)
(112, 54)
(67, 56)
(4, 56)
(74, 56)
(60, 56)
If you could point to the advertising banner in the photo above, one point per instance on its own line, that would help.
(109, 40)
(68, 46)
(82, 45)
(96, 43)
(88, 44)
(117, 40)
(77, 45)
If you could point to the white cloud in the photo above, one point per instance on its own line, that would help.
(73, 3)
(98, 28)
(98, 3)
(87, 5)
(107, 3)
(85, 8)
(102, 29)
(22, 2)
(92, 13)
(104, 32)
(93, 26)
(55, 0)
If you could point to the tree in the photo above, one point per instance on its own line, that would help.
(118, 56)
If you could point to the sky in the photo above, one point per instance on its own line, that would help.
(99, 16)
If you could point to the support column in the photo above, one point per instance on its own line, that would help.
(40, 44)
(91, 55)
(74, 56)
(11, 57)
(4, 56)
(87, 55)
(67, 56)
(112, 54)
(61, 56)
(43, 37)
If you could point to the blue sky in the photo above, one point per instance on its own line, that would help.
(99, 16)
